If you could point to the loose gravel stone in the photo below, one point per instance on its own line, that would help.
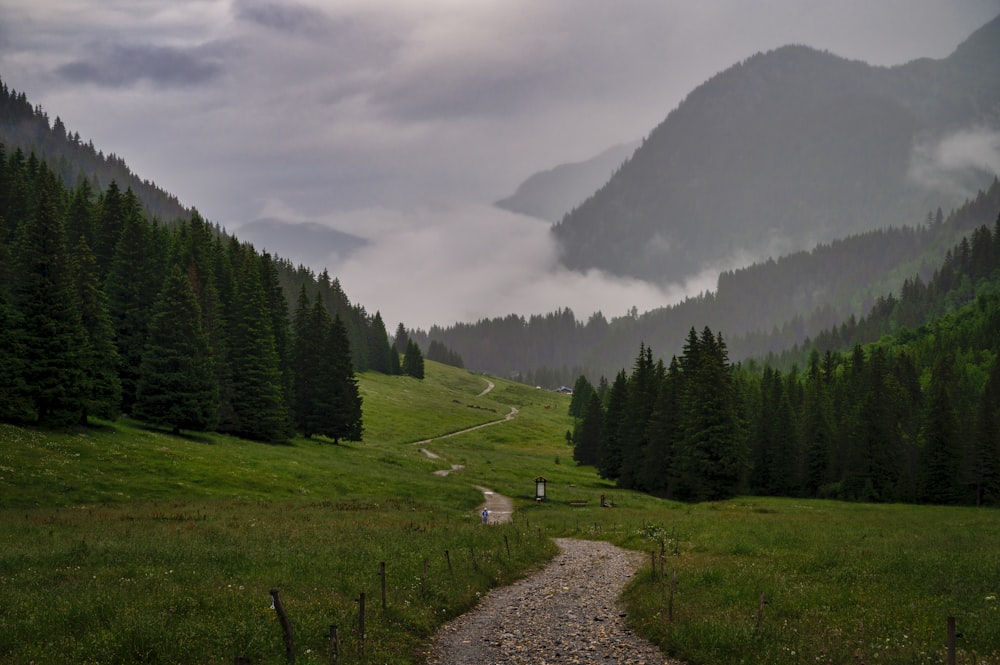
(566, 614)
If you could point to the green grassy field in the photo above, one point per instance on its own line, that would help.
(122, 545)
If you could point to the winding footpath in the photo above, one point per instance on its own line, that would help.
(566, 614)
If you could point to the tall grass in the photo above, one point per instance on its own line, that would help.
(123, 545)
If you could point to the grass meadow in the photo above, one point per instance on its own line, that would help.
(124, 545)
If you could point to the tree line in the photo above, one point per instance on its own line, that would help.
(913, 417)
(765, 308)
(105, 311)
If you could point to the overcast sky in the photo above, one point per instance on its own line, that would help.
(401, 121)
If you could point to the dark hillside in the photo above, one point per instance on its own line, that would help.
(784, 150)
(764, 308)
(29, 128)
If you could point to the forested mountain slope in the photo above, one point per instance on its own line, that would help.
(763, 308)
(902, 405)
(784, 150)
(29, 128)
(106, 308)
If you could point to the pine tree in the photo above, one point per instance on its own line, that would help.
(177, 387)
(401, 339)
(817, 431)
(132, 283)
(347, 423)
(582, 390)
(587, 433)
(378, 346)
(51, 335)
(941, 482)
(659, 474)
(413, 361)
(714, 455)
(609, 459)
(258, 391)
(99, 356)
(308, 326)
(986, 442)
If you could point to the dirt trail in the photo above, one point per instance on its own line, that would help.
(500, 507)
(567, 613)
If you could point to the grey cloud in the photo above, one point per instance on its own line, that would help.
(123, 65)
(284, 17)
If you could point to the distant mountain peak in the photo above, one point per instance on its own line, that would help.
(781, 151)
(550, 194)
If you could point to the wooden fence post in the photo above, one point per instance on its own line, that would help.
(381, 573)
(361, 623)
(423, 578)
(951, 640)
(670, 603)
(760, 609)
(286, 626)
(475, 565)
(334, 644)
(448, 558)
(506, 544)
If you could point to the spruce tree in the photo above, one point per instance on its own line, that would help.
(51, 335)
(986, 442)
(413, 361)
(582, 390)
(941, 482)
(378, 346)
(259, 410)
(132, 283)
(346, 422)
(609, 459)
(177, 387)
(99, 356)
(401, 339)
(587, 433)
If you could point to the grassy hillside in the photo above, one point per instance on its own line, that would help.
(121, 545)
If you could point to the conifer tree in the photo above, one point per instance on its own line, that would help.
(259, 409)
(132, 283)
(177, 387)
(12, 394)
(587, 433)
(941, 483)
(99, 356)
(413, 361)
(609, 459)
(659, 472)
(346, 422)
(713, 455)
(401, 339)
(378, 346)
(51, 335)
(986, 442)
(582, 390)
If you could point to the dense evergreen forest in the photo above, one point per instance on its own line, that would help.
(175, 325)
(764, 308)
(912, 417)
(106, 310)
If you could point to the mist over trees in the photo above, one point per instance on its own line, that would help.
(179, 326)
(789, 148)
(765, 308)
(913, 417)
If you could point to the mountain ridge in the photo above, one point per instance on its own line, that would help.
(790, 147)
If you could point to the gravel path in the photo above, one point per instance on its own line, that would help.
(567, 613)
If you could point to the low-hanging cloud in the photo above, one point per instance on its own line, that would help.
(463, 262)
(122, 65)
(956, 162)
